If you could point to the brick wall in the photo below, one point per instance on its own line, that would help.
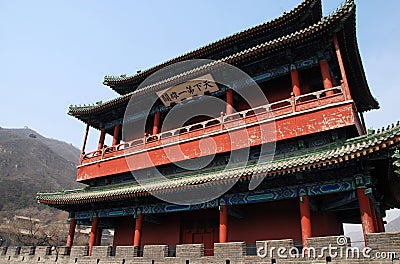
(102, 251)
(190, 251)
(231, 250)
(79, 251)
(384, 243)
(224, 253)
(155, 251)
(270, 248)
(126, 252)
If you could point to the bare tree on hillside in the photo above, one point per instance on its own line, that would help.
(26, 230)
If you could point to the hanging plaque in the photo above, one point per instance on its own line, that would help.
(183, 91)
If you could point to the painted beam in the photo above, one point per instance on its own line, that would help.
(288, 192)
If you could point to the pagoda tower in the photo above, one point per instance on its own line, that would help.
(326, 168)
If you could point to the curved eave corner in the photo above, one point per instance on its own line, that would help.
(354, 64)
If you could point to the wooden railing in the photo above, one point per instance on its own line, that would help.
(223, 123)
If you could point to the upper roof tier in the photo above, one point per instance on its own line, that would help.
(341, 22)
(304, 15)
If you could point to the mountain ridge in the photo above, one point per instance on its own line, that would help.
(31, 163)
(69, 152)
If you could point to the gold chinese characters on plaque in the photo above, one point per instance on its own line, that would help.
(195, 87)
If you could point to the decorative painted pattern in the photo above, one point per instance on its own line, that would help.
(283, 70)
(318, 188)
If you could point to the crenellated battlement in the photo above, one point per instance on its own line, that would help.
(383, 248)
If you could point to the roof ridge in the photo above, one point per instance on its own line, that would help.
(375, 134)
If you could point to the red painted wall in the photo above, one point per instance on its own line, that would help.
(311, 80)
(274, 220)
(165, 233)
(124, 231)
(325, 224)
(278, 220)
(263, 221)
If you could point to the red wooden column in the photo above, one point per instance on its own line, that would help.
(380, 223)
(223, 224)
(294, 75)
(229, 102)
(93, 234)
(326, 75)
(102, 138)
(341, 66)
(156, 124)
(305, 217)
(98, 237)
(116, 139)
(85, 138)
(138, 230)
(365, 212)
(71, 232)
(374, 216)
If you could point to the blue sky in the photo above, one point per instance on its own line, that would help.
(56, 53)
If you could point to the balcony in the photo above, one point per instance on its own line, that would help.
(296, 116)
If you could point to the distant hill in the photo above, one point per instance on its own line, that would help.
(65, 150)
(31, 163)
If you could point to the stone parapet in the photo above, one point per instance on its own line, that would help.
(42, 251)
(155, 251)
(27, 251)
(190, 251)
(102, 251)
(270, 248)
(79, 251)
(230, 250)
(224, 253)
(127, 252)
(385, 243)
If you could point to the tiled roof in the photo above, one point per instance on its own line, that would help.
(325, 156)
(325, 24)
(286, 19)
